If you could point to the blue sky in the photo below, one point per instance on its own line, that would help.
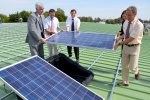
(94, 8)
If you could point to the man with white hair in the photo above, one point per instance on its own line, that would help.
(35, 37)
(133, 34)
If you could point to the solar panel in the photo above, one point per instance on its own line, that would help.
(88, 40)
(36, 79)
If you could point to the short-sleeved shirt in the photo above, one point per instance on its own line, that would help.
(76, 23)
(135, 31)
(47, 23)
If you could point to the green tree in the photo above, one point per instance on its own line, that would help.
(17, 17)
(60, 14)
(110, 21)
(4, 18)
(97, 19)
(86, 19)
(13, 17)
(89, 19)
(24, 15)
(46, 14)
(118, 20)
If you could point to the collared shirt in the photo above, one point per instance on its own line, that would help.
(135, 31)
(76, 23)
(39, 15)
(47, 23)
(41, 22)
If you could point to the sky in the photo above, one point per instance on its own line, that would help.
(104, 9)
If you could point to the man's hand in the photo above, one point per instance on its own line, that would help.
(51, 33)
(43, 40)
(118, 34)
(116, 46)
(77, 31)
(117, 39)
(67, 29)
(61, 30)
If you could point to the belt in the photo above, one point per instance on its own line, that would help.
(131, 45)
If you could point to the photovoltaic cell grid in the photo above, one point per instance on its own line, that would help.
(35, 79)
(88, 40)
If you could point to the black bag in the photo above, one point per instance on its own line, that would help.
(71, 68)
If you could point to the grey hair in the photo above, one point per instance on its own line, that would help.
(39, 4)
(133, 9)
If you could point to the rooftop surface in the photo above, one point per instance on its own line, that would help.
(103, 63)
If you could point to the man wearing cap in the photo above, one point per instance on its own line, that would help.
(51, 26)
(133, 34)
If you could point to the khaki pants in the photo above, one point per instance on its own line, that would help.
(130, 57)
(52, 49)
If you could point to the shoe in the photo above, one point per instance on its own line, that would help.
(122, 84)
(120, 72)
(137, 76)
(77, 61)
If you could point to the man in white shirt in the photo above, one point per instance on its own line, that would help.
(51, 26)
(133, 34)
(73, 24)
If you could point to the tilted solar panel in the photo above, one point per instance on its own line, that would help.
(36, 79)
(88, 40)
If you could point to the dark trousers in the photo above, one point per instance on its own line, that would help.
(76, 51)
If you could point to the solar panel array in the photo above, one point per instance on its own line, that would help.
(88, 40)
(36, 79)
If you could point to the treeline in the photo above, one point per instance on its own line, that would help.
(15, 17)
(89, 19)
(23, 16)
(113, 21)
(60, 14)
(118, 21)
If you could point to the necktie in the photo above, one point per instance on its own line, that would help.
(42, 27)
(52, 25)
(127, 31)
(72, 25)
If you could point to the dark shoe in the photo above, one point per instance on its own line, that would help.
(137, 76)
(119, 72)
(70, 57)
(122, 84)
(77, 61)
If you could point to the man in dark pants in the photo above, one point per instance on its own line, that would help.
(73, 24)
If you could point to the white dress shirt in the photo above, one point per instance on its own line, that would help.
(47, 23)
(135, 31)
(52, 48)
(76, 23)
